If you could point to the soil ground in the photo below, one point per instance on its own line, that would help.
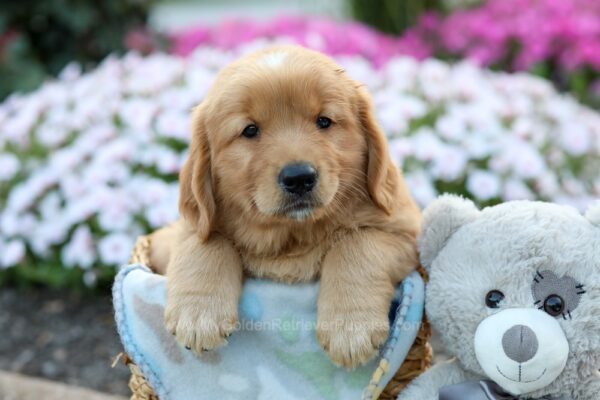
(61, 336)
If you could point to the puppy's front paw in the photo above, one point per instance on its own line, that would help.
(200, 323)
(353, 337)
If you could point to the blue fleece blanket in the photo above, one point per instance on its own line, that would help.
(275, 354)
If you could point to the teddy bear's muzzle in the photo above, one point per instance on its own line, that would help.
(521, 349)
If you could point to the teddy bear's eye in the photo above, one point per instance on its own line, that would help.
(493, 298)
(556, 295)
(554, 305)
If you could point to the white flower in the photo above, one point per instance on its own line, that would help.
(174, 124)
(436, 71)
(167, 161)
(115, 217)
(410, 107)
(523, 159)
(427, 146)
(13, 252)
(404, 67)
(16, 128)
(449, 163)
(90, 278)
(80, 251)
(451, 127)
(361, 70)
(547, 185)
(21, 197)
(70, 72)
(421, 188)
(52, 231)
(52, 135)
(50, 205)
(152, 74)
(151, 191)
(479, 146)
(137, 113)
(61, 162)
(516, 190)
(576, 138)
(115, 248)
(72, 187)
(573, 187)
(162, 214)
(391, 120)
(26, 224)
(400, 148)
(9, 223)
(9, 166)
(81, 209)
(483, 185)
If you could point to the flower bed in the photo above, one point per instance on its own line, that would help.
(556, 39)
(564, 46)
(89, 162)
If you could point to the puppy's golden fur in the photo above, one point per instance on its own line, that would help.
(356, 233)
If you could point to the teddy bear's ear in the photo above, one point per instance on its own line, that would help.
(593, 214)
(441, 219)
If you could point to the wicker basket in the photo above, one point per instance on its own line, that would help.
(416, 362)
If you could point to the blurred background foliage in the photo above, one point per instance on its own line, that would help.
(392, 16)
(39, 38)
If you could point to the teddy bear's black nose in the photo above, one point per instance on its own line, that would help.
(520, 343)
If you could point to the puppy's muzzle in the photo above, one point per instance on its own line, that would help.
(298, 179)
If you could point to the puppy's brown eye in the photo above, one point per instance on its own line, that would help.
(323, 122)
(250, 131)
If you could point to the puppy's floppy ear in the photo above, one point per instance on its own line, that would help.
(383, 177)
(441, 219)
(196, 200)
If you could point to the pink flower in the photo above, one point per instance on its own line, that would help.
(329, 36)
(519, 34)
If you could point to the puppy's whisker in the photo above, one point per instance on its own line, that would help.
(359, 171)
(352, 189)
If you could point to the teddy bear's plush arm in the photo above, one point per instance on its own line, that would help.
(427, 386)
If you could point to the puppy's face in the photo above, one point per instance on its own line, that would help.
(286, 135)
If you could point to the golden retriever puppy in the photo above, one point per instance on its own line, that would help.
(288, 178)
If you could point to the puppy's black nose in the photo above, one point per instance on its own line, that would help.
(298, 179)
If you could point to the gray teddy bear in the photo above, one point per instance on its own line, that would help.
(514, 292)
